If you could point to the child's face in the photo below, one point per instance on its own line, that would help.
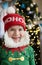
(16, 33)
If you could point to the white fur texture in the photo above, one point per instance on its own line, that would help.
(11, 10)
(11, 44)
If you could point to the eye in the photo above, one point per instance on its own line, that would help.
(20, 29)
(12, 29)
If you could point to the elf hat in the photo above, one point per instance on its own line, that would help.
(12, 20)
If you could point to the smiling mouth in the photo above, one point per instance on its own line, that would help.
(15, 37)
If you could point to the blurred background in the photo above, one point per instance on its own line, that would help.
(31, 10)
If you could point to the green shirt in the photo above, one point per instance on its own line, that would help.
(25, 57)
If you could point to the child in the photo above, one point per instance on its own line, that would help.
(15, 49)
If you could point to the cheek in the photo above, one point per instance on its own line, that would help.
(22, 34)
(10, 34)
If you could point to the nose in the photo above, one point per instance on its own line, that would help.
(16, 32)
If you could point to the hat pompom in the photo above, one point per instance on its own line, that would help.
(11, 10)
